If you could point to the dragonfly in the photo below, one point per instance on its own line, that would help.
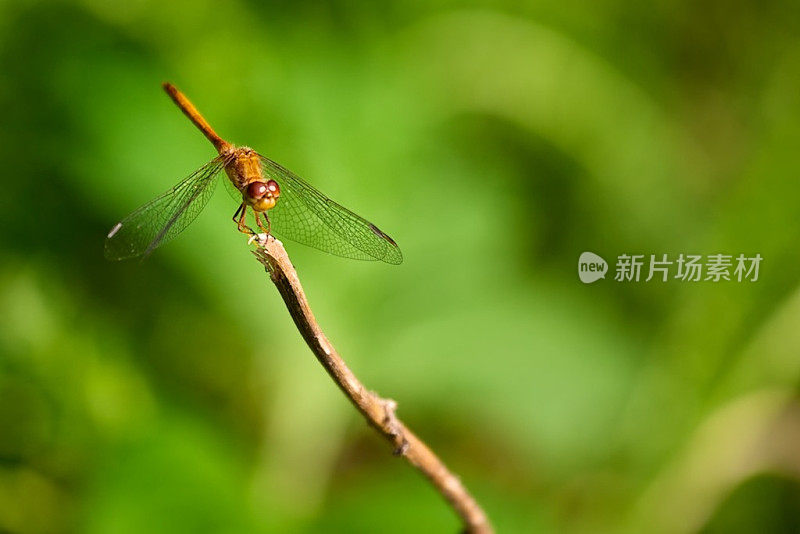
(282, 203)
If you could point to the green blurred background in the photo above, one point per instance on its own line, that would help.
(495, 142)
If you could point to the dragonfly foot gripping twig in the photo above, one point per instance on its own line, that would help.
(379, 412)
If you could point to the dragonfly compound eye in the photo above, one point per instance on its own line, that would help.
(274, 188)
(256, 190)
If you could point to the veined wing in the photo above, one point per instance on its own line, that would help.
(165, 216)
(305, 215)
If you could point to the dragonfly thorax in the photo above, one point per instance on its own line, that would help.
(243, 167)
(245, 171)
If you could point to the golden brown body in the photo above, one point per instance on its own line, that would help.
(245, 173)
(245, 169)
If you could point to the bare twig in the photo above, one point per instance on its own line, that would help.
(379, 412)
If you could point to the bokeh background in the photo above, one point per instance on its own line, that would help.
(495, 141)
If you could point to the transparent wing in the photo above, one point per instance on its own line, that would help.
(164, 217)
(305, 215)
(234, 193)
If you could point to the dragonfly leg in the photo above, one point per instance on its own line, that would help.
(240, 222)
(260, 224)
(237, 212)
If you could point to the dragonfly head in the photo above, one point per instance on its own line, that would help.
(262, 196)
